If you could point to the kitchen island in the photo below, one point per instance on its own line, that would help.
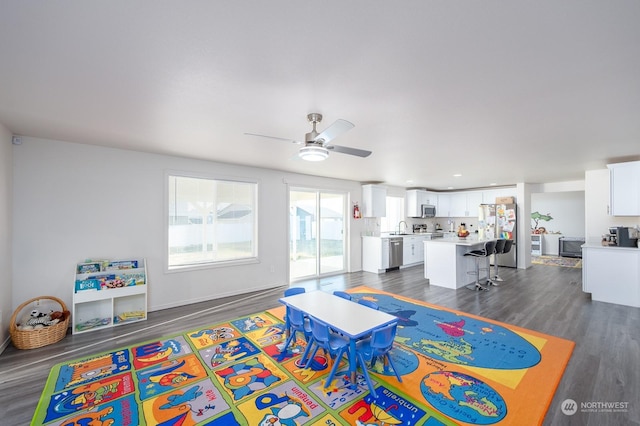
(445, 264)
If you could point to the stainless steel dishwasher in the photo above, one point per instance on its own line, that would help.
(395, 252)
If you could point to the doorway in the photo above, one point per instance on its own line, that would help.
(316, 233)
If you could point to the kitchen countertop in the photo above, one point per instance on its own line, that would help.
(600, 246)
(471, 240)
(414, 234)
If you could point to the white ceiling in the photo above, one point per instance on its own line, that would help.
(500, 91)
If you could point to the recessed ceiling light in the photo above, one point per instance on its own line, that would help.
(450, 187)
(409, 181)
(493, 184)
(457, 175)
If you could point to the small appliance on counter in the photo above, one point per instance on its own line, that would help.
(627, 237)
(621, 236)
(419, 228)
(609, 239)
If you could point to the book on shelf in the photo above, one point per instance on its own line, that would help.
(122, 264)
(84, 285)
(88, 267)
(103, 274)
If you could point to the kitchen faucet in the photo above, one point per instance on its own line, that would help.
(405, 226)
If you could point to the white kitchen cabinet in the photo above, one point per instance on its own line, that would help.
(462, 204)
(375, 254)
(611, 274)
(412, 250)
(625, 188)
(474, 199)
(465, 203)
(444, 205)
(432, 199)
(415, 198)
(374, 201)
(109, 293)
(458, 205)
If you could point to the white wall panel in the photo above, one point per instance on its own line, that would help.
(74, 201)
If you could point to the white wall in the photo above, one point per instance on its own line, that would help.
(566, 209)
(6, 173)
(74, 201)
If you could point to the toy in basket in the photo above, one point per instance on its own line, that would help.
(38, 327)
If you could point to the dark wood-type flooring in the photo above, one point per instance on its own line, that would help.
(604, 367)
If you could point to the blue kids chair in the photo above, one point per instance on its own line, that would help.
(296, 323)
(369, 303)
(342, 294)
(378, 345)
(331, 343)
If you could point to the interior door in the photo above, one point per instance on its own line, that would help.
(316, 233)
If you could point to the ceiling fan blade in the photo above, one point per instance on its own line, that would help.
(347, 150)
(274, 137)
(336, 129)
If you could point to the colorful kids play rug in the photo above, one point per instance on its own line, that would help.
(456, 369)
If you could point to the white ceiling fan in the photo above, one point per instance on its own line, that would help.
(317, 145)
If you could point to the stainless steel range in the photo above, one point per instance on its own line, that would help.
(421, 229)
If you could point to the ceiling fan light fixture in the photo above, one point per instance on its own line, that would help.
(313, 153)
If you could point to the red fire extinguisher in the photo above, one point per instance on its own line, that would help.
(356, 211)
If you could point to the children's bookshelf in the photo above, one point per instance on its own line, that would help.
(108, 293)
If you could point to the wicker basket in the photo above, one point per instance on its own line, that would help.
(31, 339)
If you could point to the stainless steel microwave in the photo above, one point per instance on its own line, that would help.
(428, 210)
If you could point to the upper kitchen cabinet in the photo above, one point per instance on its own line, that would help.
(625, 188)
(432, 198)
(444, 204)
(416, 198)
(459, 204)
(474, 199)
(374, 201)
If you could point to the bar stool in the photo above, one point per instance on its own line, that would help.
(506, 249)
(488, 250)
(499, 250)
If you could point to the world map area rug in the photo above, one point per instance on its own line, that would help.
(456, 368)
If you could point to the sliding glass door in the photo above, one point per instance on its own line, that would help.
(316, 233)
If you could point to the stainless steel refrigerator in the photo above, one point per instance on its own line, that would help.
(499, 221)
